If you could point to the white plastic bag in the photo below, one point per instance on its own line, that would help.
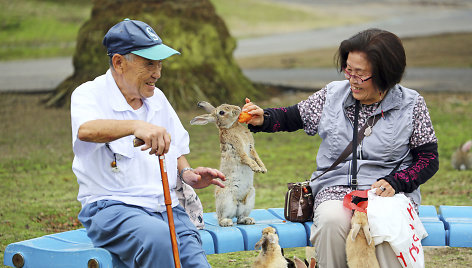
(394, 220)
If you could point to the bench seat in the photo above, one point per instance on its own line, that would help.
(458, 225)
(433, 225)
(451, 227)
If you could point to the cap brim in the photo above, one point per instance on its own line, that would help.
(158, 52)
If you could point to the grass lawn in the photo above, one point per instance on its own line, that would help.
(38, 29)
(39, 189)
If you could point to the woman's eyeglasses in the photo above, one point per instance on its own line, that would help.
(356, 78)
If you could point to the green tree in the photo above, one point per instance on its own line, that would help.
(205, 70)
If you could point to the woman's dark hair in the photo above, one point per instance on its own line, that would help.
(384, 51)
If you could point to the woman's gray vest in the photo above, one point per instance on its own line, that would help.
(379, 153)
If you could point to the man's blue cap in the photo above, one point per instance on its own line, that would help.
(133, 36)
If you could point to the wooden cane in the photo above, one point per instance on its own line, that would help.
(168, 202)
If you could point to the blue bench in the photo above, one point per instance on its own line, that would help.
(451, 227)
(433, 225)
(458, 225)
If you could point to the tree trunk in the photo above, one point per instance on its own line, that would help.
(205, 70)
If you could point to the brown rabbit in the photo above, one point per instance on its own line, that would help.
(360, 248)
(301, 264)
(270, 255)
(239, 161)
(462, 158)
(310, 254)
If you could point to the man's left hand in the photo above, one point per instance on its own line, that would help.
(202, 177)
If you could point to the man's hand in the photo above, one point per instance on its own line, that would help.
(202, 177)
(155, 138)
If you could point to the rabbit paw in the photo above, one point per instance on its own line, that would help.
(263, 169)
(225, 222)
(255, 168)
(246, 221)
(259, 169)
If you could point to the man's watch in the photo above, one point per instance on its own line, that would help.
(181, 173)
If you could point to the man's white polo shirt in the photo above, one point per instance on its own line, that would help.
(136, 179)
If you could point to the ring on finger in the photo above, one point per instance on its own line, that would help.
(382, 188)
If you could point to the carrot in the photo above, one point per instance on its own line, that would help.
(244, 117)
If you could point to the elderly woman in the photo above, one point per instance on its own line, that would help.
(397, 154)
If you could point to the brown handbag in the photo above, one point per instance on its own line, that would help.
(299, 198)
(299, 202)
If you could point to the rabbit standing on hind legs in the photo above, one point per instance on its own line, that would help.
(239, 161)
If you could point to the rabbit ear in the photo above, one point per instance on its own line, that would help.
(262, 244)
(368, 237)
(258, 245)
(312, 263)
(202, 119)
(466, 147)
(355, 230)
(207, 106)
(298, 263)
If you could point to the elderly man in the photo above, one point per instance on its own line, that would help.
(120, 187)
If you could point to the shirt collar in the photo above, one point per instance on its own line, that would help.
(118, 101)
(391, 101)
(153, 103)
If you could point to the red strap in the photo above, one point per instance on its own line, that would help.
(361, 206)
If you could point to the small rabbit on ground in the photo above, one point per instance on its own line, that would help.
(298, 263)
(310, 254)
(360, 248)
(239, 161)
(270, 255)
(304, 264)
(462, 158)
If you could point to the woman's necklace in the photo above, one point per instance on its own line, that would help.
(368, 129)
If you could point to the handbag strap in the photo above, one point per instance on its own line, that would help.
(348, 150)
(353, 180)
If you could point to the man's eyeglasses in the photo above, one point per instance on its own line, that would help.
(356, 78)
